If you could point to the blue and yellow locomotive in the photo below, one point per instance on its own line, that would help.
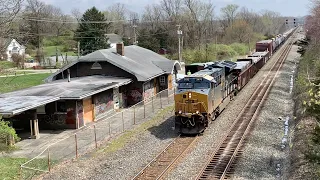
(201, 96)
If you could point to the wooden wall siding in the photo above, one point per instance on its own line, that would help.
(170, 82)
(103, 102)
(87, 110)
(155, 86)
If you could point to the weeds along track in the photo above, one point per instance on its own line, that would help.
(162, 163)
(222, 162)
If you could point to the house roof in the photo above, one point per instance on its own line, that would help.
(77, 88)
(114, 38)
(11, 105)
(144, 64)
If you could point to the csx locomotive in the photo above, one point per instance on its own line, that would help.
(201, 96)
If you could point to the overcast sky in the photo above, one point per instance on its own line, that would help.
(285, 7)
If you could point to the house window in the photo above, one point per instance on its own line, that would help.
(162, 80)
(13, 44)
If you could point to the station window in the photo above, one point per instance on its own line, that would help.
(162, 80)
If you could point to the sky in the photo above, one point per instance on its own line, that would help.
(284, 7)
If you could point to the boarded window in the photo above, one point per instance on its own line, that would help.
(162, 80)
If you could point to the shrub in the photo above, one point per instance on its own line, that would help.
(18, 60)
(7, 134)
(241, 49)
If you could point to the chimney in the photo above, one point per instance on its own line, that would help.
(68, 75)
(120, 49)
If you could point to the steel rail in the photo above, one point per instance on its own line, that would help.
(256, 94)
(150, 168)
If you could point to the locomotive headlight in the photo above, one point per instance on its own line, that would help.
(180, 112)
(189, 95)
(197, 112)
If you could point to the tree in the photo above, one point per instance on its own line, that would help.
(240, 32)
(91, 31)
(228, 15)
(8, 11)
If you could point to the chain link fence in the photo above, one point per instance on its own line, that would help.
(93, 136)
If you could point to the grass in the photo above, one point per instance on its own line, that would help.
(6, 65)
(21, 82)
(127, 136)
(9, 167)
(51, 51)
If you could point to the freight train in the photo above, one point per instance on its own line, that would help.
(203, 95)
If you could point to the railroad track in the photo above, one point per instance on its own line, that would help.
(222, 162)
(162, 163)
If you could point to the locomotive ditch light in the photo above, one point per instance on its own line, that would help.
(180, 112)
(197, 112)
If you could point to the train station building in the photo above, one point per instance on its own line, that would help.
(89, 88)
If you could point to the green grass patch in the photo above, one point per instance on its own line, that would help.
(51, 51)
(129, 135)
(21, 82)
(10, 167)
(6, 64)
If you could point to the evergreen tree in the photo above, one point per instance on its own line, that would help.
(92, 35)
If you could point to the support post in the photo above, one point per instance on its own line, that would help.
(76, 141)
(152, 104)
(168, 96)
(134, 115)
(160, 100)
(95, 136)
(122, 121)
(49, 165)
(144, 110)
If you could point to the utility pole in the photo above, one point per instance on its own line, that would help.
(206, 45)
(56, 56)
(78, 49)
(179, 32)
(134, 30)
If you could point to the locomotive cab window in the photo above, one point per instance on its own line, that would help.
(185, 86)
(201, 85)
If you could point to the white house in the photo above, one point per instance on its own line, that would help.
(113, 39)
(11, 46)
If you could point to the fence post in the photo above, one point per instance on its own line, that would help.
(122, 121)
(134, 115)
(75, 138)
(20, 172)
(49, 165)
(168, 96)
(144, 110)
(95, 136)
(152, 104)
(160, 100)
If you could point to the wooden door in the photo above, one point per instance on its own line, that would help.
(87, 110)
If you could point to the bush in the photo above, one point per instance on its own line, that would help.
(18, 60)
(241, 49)
(7, 134)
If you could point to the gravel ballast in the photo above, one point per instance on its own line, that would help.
(192, 165)
(123, 163)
